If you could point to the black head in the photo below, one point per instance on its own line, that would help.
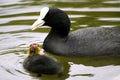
(56, 19)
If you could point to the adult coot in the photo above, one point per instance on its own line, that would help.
(83, 42)
(41, 64)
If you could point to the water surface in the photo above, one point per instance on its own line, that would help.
(16, 17)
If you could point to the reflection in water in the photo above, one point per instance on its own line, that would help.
(92, 9)
(17, 16)
(78, 71)
(11, 68)
(110, 19)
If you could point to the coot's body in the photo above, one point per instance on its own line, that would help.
(85, 42)
(94, 41)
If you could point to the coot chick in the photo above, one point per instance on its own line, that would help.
(41, 64)
(94, 41)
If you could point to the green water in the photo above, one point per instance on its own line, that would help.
(16, 17)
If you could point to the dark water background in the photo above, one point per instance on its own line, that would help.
(16, 17)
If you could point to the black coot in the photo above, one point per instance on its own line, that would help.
(41, 64)
(94, 41)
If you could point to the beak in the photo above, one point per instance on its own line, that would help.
(38, 23)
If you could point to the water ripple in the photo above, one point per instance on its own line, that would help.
(14, 28)
(98, 73)
(16, 17)
(87, 9)
(109, 19)
(21, 10)
(12, 68)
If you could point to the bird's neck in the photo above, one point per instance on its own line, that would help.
(60, 31)
(54, 41)
(55, 37)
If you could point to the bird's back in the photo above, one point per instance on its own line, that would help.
(94, 41)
